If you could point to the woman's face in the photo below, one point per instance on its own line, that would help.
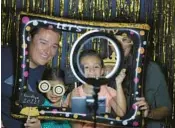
(92, 66)
(126, 44)
(43, 47)
(51, 95)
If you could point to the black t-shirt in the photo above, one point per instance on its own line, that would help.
(7, 83)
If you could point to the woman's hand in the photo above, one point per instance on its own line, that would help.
(33, 123)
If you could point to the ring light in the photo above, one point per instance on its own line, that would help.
(75, 55)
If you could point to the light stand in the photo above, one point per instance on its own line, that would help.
(76, 66)
(95, 105)
(96, 82)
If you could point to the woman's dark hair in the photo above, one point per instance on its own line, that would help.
(53, 74)
(35, 30)
(91, 52)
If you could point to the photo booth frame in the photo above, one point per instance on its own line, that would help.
(27, 21)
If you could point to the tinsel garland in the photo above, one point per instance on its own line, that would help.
(159, 14)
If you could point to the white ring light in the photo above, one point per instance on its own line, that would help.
(81, 40)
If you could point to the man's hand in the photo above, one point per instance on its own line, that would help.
(156, 113)
(143, 105)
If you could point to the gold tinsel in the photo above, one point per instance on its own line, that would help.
(162, 25)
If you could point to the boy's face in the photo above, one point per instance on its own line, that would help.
(92, 66)
(50, 94)
(43, 47)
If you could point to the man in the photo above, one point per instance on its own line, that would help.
(156, 104)
(42, 49)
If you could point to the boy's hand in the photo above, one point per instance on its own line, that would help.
(119, 79)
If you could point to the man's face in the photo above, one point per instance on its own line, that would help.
(43, 47)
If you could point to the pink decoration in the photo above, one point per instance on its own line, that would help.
(134, 106)
(23, 65)
(26, 74)
(136, 80)
(25, 19)
(54, 111)
(131, 32)
(135, 123)
(26, 52)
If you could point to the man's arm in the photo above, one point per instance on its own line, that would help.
(156, 104)
(162, 102)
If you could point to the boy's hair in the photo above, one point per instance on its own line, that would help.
(53, 74)
(35, 30)
(91, 52)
